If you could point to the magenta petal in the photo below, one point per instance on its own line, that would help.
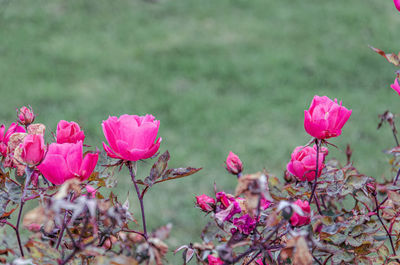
(74, 157)
(110, 152)
(55, 169)
(88, 165)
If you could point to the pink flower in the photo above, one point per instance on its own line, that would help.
(397, 4)
(303, 162)
(265, 203)
(25, 115)
(395, 85)
(131, 137)
(325, 118)
(64, 161)
(233, 164)
(260, 262)
(69, 132)
(205, 202)
(296, 219)
(214, 260)
(245, 224)
(91, 191)
(5, 136)
(228, 206)
(33, 149)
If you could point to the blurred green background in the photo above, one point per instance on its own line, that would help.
(220, 75)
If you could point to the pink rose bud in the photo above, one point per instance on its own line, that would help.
(395, 86)
(69, 132)
(33, 149)
(5, 136)
(131, 137)
(397, 4)
(325, 118)
(228, 206)
(233, 164)
(205, 202)
(26, 115)
(298, 220)
(303, 162)
(212, 260)
(91, 191)
(64, 161)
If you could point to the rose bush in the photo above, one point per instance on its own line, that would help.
(323, 211)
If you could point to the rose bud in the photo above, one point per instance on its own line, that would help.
(69, 132)
(233, 164)
(205, 202)
(65, 161)
(131, 137)
(303, 162)
(297, 219)
(26, 116)
(212, 260)
(325, 118)
(33, 149)
(395, 86)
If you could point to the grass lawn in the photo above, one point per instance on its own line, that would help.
(220, 75)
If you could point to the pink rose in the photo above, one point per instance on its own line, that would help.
(233, 164)
(205, 202)
(69, 132)
(395, 85)
(25, 115)
(245, 224)
(303, 162)
(131, 137)
(397, 4)
(33, 149)
(64, 161)
(214, 260)
(296, 219)
(325, 118)
(5, 136)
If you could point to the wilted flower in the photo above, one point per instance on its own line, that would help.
(205, 202)
(212, 260)
(245, 224)
(64, 161)
(131, 137)
(297, 219)
(325, 118)
(395, 86)
(303, 162)
(228, 206)
(33, 149)
(69, 132)
(233, 164)
(26, 115)
(5, 136)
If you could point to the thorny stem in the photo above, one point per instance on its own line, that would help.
(384, 226)
(397, 177)
(129, 165)
(63, 226)
(255, 256)
(395, 137)
(28, 172)
(316, 174)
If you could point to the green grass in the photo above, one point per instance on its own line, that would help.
(220, 75)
